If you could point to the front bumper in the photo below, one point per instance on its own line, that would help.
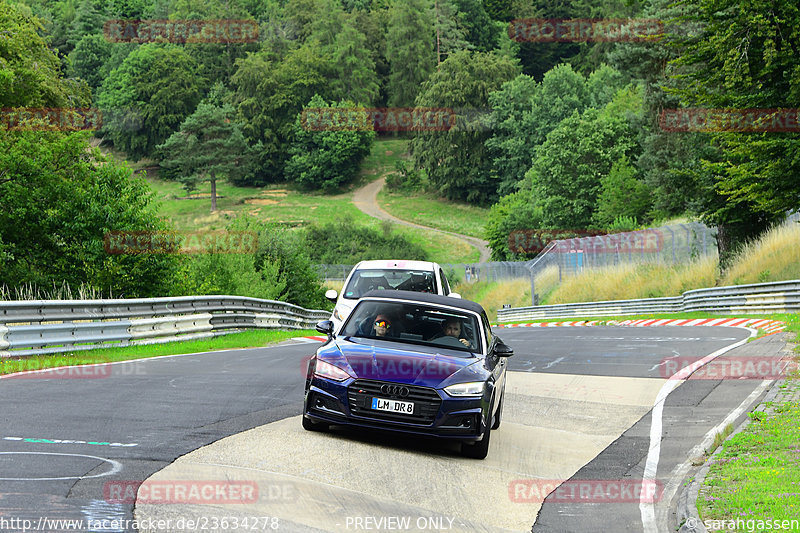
(436, 414)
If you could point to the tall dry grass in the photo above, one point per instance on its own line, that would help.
(493, 294)
(775, 256)
(629, 280)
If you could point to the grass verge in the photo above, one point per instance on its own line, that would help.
(755, 479)
(245, 339)
(434, 212)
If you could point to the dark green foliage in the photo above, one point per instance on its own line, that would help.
(147, 97)
(621, 195)
(526, 111)
(456, 161)
(344, 242)
(58, 200)
(327, 160)
(29, 70)
(89, 59)
(513, 212)
(270, 95)
(566, 174)
(286, 251)
(406, 178)
(410, 50)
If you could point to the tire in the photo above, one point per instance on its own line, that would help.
(310, 425)
(477, 450)
(499, 414)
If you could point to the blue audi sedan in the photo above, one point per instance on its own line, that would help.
(414, 363)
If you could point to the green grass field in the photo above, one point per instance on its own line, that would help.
(284, 205)
(435, 212)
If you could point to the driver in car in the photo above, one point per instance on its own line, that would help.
(452, 328)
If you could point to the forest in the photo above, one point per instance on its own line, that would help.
(562, 133)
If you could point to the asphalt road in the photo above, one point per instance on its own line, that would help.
(580, 407)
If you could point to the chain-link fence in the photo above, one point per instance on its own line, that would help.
(675, 244)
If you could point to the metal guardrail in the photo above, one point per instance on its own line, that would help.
(53, 326)
(775, 297)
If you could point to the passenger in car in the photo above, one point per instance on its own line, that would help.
(382, 326)
(451, 327)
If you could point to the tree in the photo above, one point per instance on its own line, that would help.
(621, 195)
(450, 30)
(209, 146)
(745, 56)
(88, 59)
(456, 161)
(565, 178)
(29, 70)
(59, 200)
(409, 50)
(270, 93)
(147, 97)
(356, 79)
(327, 159)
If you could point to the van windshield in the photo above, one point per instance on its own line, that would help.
(363, 281)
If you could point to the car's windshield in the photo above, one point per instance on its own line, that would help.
(414, 323)
(364, 280)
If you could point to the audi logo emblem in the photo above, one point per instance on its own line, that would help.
(395, 390)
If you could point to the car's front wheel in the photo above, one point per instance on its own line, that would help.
(477, 450)
(499, 414)
(310, 425)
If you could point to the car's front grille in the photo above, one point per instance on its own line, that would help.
(426, 402)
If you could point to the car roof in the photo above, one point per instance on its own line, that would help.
(425, 297)
(397, 264)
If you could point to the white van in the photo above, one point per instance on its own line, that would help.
(419, 276)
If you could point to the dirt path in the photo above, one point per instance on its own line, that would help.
(366, 199)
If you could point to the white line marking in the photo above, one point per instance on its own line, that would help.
(115, 467)
(647, 509)
(680, 471)
(551, 363)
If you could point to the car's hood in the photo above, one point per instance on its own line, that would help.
(410, 366)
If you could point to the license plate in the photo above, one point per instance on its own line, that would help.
(393, 406)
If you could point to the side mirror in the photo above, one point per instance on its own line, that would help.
(454, 295)
(326, 327)
(331, 295)
(503, 350)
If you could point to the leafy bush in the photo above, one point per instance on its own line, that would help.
(280, 269)
(326, 159)
(405, 179)
(344, 242)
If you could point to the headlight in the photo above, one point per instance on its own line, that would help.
(327, 370)
(339, 312)
(474, 388)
